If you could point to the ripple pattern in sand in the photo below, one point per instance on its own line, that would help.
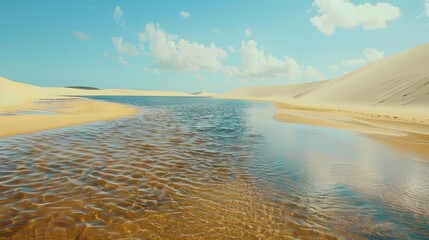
(158, 179)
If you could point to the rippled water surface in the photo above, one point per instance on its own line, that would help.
(197, 168)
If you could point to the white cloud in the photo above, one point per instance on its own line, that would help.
(152, 70)
(231, 49)
(354, 62)
(172, 53)
(248, 32)
(369, 55)
(333, 68)
(82, 36)
(427, 7)
(118, 13)
(373, 54)
(124, 47)
(199, 77)
(216, 30)
(258, 65)
(106, 54)
(184, 14)
(123, 61)
(345, 14)
(312, 72)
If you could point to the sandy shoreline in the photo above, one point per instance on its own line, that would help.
(407, 131)
(46, 114)
(406, 135)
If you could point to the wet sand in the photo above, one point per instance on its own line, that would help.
(404, 134)
(42, 115)
(26, 109)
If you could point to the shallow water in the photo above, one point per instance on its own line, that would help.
(199, 168)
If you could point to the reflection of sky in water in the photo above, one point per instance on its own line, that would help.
(367, 175)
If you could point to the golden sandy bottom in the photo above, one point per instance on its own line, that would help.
(50, 114)
(141, 179)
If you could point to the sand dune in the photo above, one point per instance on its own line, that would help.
(27, 109)
(288, 93)
(400, 80)
(13, 93)
(396, 87)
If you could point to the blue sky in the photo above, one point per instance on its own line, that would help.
(192, 46)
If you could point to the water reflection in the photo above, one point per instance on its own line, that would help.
(204, 168)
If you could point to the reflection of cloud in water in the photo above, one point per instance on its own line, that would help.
(383, 175)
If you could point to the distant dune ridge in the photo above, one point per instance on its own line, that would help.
(109, 92)
(14, 93)
(204, 94)
(394, 85)
(83, 87)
